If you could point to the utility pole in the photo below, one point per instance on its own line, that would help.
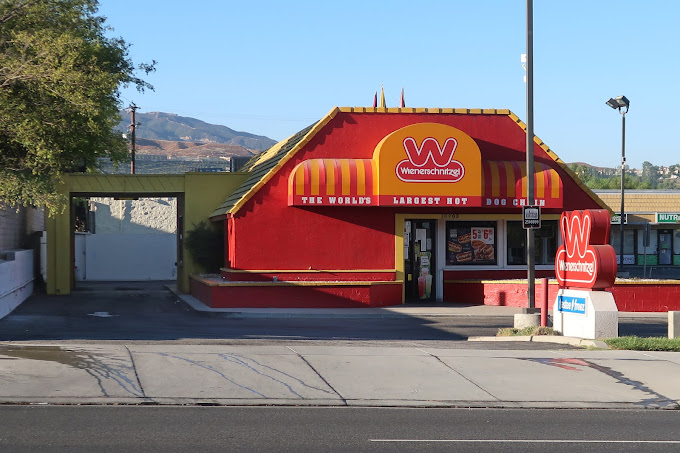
(132, 108)
(531, 265)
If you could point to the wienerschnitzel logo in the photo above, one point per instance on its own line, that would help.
(430, 162)
(585, 260)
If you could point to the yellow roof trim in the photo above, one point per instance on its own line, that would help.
(257, 186)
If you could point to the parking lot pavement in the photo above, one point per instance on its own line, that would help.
(150, 312)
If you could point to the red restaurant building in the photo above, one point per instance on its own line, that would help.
(377, 206)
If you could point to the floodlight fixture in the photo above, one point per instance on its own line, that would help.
(619, 102)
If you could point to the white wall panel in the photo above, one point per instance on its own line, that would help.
(130, 257)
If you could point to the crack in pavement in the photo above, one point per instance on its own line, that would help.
(212, 369)
(241, 360)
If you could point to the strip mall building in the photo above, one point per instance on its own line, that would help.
(376, 206)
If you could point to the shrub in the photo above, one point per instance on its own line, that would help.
(205, 243)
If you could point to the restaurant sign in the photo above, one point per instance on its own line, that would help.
(421, 165)
(428, 163)
(616, 219)
(667, 217)
(585, 260)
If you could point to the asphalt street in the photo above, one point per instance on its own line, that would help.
(299, 430)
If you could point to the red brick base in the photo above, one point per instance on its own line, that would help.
(295, 295)
(650, 296)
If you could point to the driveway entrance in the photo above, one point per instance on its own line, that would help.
(197, 194)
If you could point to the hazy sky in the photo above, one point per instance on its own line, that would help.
(272, 68)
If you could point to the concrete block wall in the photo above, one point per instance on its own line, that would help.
(16, 279)
(17, 224)
(143, 216)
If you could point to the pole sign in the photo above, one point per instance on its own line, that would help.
(531, 216)
(616, 219)
(585, 259)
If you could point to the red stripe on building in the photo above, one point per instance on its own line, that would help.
(368, 170)
(353, 179)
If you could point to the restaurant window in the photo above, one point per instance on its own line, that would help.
(545, 243)
(470, 243)
(628, 243)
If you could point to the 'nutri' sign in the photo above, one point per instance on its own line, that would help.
(585, 259)
(667, 217)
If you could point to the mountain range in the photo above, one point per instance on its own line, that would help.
(159, 132)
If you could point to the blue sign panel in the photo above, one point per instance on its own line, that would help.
(571, 304)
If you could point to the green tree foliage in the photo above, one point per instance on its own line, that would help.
(598, 178)
(59, 95)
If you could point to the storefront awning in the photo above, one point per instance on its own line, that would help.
(334, 182)
(504, 183)
(331, 182)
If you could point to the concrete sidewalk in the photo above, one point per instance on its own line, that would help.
(336, 376)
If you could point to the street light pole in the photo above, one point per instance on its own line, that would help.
(623, 179)
(622, 104)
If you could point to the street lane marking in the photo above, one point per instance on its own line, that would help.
(534, 441)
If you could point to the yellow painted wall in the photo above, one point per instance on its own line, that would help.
(201, 194)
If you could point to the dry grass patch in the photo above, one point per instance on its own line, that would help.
(527, 331)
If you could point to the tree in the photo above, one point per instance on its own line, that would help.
(59, 95)
(650, 174)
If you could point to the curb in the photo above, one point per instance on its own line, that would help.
(396, 311)
(347, 313)
(572, 341)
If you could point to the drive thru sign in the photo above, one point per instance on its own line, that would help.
(531, 216)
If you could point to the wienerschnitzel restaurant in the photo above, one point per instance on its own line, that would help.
(377, 206)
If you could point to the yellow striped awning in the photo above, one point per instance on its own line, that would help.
(334, 181)
(504, 183)
(328, 182)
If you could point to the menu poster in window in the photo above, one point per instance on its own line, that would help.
(459, 249)
(471, 245)
(483, 244)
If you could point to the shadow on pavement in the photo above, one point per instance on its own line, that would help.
(148, 311)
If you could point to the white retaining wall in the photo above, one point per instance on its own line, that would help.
(16, 279)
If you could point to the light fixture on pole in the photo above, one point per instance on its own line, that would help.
(622, 104)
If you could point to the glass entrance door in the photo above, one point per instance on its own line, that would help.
(665, 247)
(419, 259)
